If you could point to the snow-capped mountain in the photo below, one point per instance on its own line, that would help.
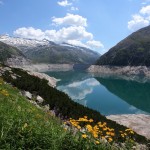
(16, 41)
(46, 51)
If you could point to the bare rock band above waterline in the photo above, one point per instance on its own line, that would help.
(120, 70)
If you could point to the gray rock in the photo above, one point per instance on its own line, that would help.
(27, 94)
(13, 76)
(39, 99)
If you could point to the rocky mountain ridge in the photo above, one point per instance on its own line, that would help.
(45, 51)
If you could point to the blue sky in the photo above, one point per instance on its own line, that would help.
(98, 24)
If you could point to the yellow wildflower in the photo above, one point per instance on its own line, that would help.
(84, 136)
(112, 134)
(108, 133)
(91, 120)
(110, 139)
(122, 135)
(78, 127)
(132, 132)
(89, 128)
(97, 142)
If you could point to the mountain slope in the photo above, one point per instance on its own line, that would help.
(45, 51)
(133, 51)
(7, 51)
(62, 54)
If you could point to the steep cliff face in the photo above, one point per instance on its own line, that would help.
(132, 51)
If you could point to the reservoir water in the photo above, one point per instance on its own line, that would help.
(106, 94)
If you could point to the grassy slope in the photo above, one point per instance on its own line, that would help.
(23, 126)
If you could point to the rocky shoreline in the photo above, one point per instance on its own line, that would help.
(51, 80)
(123, 70)
(140, 123)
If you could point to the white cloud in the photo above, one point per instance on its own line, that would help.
(137, 22)
(30, 32)
(145, 10)
(74, 8)
(64, 3)
(74, 35)
(70, 19)
(77, 43)
(73, 31)
(95, 44)
(64, 34)
(80, 89)
(141, 19)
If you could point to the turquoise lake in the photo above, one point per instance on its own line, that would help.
(106, 94)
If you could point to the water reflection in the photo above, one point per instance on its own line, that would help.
(134, 93)
(79, 89)
(106, 94)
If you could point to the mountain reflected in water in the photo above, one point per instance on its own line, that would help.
(134, 93)
(108, 95)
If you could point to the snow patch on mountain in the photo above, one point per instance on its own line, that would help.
(16, 41)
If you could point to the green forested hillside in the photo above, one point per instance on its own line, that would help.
(133, 50)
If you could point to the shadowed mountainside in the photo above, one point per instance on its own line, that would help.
(132, 51)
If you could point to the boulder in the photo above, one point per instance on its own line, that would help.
(27, 94)
(39, 99)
